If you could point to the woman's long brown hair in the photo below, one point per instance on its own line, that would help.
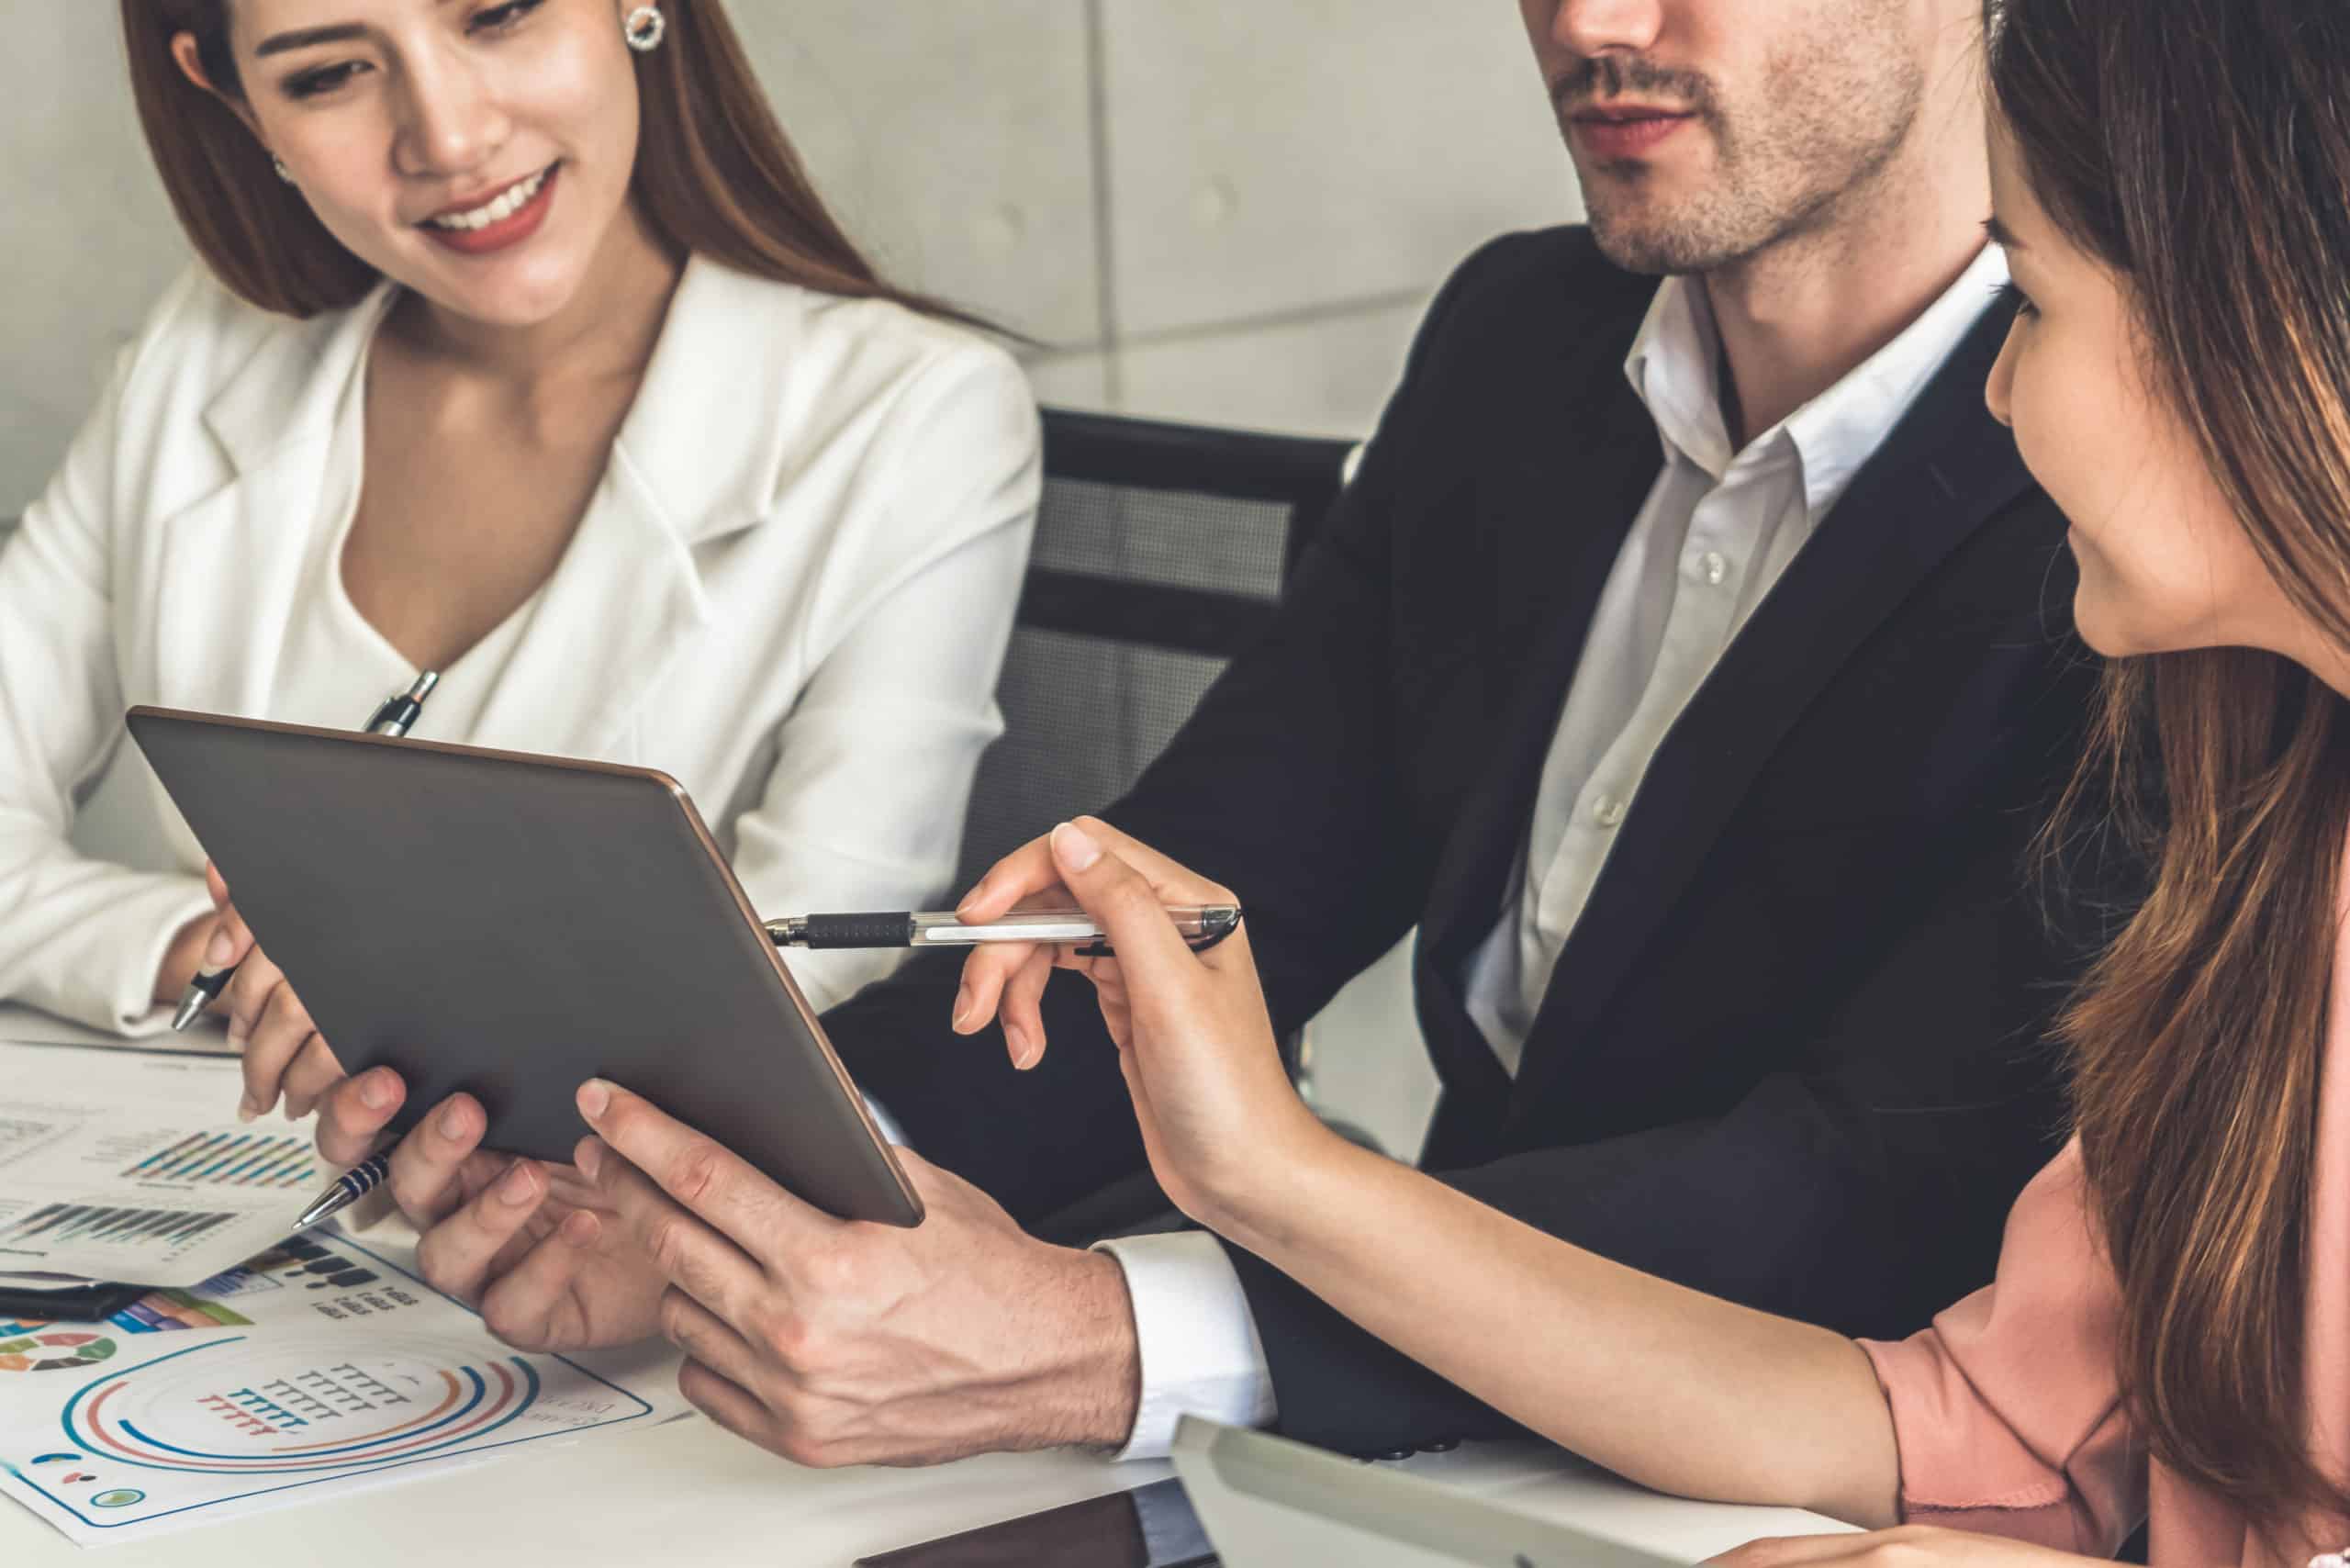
(2200, 149)
(715, 174)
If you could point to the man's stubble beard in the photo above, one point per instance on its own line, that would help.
(1778, 174)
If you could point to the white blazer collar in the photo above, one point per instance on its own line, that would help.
(294, 381)
(709, 458)
(702, 435)
(696, 459)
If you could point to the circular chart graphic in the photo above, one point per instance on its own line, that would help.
(54, 1350)
(121, 1497)
(297, 1403)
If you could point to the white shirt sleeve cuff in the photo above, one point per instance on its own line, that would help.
(1199, 1352)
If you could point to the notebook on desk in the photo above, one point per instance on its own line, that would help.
(1270, 1503)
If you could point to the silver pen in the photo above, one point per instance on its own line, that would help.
(1201, 928)
(397, 714)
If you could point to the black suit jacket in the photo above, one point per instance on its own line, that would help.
(1793, 1052)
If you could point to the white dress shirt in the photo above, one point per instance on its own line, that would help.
(791, 590)
(1716, 532)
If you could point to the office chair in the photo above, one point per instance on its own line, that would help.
(1161, 553)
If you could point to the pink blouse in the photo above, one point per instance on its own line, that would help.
(2007, 1410)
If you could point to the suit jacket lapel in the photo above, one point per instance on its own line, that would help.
(1946, 469)
(1594, 484)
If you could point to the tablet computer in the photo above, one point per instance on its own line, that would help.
(512, 925)
(1269, 1502)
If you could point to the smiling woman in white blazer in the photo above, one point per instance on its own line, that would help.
(789, 580)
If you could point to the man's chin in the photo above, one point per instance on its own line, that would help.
(1658, 248)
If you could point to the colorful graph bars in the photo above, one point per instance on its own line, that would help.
(231, 1160)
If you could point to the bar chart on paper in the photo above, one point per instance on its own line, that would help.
(225, 1160)
(118, 1166)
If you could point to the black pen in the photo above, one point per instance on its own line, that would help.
(398, 715)
(1201, 928)
(349, 1187)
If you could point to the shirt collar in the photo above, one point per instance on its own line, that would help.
(1674, 367)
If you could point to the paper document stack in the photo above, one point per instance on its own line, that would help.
(120, 1165)
(277, 1369)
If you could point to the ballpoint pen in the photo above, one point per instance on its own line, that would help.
(398, 715)
(353, 1185)
(1201, 928)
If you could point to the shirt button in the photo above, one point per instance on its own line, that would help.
(1607, 811)
(1716, 566)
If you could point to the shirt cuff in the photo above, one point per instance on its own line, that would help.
(1199, 1348)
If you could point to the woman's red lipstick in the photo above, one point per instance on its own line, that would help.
(511, 229)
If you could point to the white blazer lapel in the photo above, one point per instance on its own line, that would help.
(623, 603)
(694, 461)
(228, 585)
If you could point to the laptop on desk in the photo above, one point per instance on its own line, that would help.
(1270, 1503)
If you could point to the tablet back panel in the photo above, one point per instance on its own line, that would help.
(512, 925)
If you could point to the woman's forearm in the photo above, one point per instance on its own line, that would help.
(1673, 1388)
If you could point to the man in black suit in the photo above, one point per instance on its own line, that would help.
(1690, 664)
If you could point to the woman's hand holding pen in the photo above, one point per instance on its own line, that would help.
(184, 957)
(1218, 1115)
(283, 1052)
(537, 1248)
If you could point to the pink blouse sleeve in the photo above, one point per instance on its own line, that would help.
(2007, 1410)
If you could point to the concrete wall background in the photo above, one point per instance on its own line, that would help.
(1231, 211)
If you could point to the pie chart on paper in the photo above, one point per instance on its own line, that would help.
(53, 1351)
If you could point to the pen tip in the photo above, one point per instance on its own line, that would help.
(190, 1005)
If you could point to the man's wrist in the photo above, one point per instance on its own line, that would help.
(1104, 1375)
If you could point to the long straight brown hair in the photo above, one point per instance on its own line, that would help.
(715, 174)
(2200, 149)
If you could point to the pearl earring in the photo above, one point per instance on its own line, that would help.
(644, 29)
(283, 172)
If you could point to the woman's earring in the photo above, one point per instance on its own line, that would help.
(283, 172)
(645, 27)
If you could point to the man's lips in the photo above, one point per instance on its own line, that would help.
(1620, 132)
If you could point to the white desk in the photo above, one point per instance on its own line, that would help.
(23, 1024)
(690, 1493)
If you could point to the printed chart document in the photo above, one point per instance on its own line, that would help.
(319, 1368)
(119, 1165)
(285, 1371)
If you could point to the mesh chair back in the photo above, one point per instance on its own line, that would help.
(1161, 553)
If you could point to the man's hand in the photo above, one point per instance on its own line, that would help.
(832, 1342)
(530, 1246)
(1908, 1546)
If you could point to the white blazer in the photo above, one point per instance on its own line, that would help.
(792, 590)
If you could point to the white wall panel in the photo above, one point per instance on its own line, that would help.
(953, 137)
(1322, 376)
(1070, 380)
(90, 240)
(1267, 158)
